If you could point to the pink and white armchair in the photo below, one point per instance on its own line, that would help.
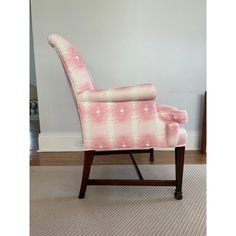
(121, 120)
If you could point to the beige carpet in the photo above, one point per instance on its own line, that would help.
(111, 211)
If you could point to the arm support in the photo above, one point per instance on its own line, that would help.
(124, 94)
(169, 113)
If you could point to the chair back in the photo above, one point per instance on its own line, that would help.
(74, 66)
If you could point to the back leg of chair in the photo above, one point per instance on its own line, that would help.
(179, 167)
(88, 160)
(152, 154)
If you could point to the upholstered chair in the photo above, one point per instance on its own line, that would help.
(121, 120)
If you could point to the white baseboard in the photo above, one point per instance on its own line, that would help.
(193, 140)
(60, 142)
(71, 142)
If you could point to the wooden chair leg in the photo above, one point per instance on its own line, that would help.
(179, 166)
(152, 154)
(88, 160)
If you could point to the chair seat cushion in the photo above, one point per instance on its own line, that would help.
(129, 125)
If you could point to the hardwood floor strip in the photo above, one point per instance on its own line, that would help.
(76, 158)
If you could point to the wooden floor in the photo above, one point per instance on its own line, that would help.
(76, 158)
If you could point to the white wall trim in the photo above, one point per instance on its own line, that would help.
(70, 142)
(60, 142)
(193, 140)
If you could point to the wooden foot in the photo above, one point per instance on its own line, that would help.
(88, 160)
(178, 195)
(179, 167)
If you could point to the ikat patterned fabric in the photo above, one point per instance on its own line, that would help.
(118, 118)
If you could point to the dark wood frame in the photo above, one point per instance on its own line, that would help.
(179, 164)
(204, 126)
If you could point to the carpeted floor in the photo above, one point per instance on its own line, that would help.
(113, 210)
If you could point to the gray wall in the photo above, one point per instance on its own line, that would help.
(32, 62)
(123, 42)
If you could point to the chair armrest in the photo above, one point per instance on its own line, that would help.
(123, 94)
(170, 113)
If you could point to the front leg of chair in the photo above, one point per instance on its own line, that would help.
(179, 166)
(88, 160)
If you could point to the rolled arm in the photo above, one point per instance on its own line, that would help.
(123, 94)
(170, 113)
